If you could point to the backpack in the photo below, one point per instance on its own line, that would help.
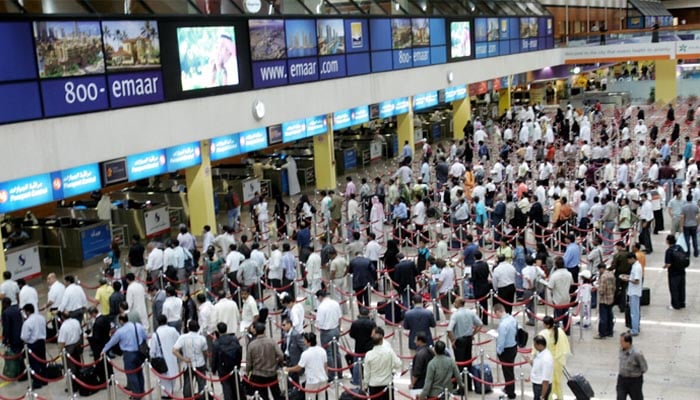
(229, 356)
(680, 258)
(236, 201)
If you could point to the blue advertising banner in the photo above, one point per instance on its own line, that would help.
(293, 130)
(74, 95)
(504, 29)
(19, 102)
(386, 109)
(183, 156)
(380, 34)
(25, 192)
(421, 57)
(146, 165)
(514, 28)
(332, 67)
(303, 70)
(425, 100)
(492, 49)
(381, 61)
(252, 140)
(16, 46)
(356, 35)
(480, 29)
(528, 44)
(402, 58)
(269, 74)
(135, 88)
(96, 241)
(75, 181)
(482, 50)
(438, 55)
(455, 93)
(224, 147)
(358, 64)
(341, 120)
(504, 47)
(359, 115)
(437, 32)
(316, 125)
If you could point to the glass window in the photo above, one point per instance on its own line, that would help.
(55, 7)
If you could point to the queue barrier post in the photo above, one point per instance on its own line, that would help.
(390, 388)
(465, 382)
(490, 300)
(362, 370)
(147, 372)
(436, 311)
(336, 385)
(568, 320)
(522, 383)
(286, 384)
(256, 395)
(238, 383)
(350, 298)
(190, 376)
(67, 374)
(393, 309)
(535, 301)
(447, 394)
(483, 377)
(368, 288)
(110, 378)
(27, 367)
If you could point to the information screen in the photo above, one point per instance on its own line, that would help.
(460, 40)
(208, 57)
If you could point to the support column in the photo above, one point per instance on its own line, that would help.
(666, 81)
(200, 192)
(503, 99)
(404, 128)
(461, 113)
(324, 159)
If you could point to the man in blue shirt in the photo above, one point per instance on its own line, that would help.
(407, 152)
(469, 250)
(289, 267)
(418, 320)
(506, 346)
(572, 258)
(400, 217)
(128, 337)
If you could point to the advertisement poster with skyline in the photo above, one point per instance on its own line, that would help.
(301, 38)
(331, 36)
(267, 39)
(68, 48)
(131, 45)
(420, 28)
(401, 33)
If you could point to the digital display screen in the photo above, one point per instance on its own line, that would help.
(208, 57)
(331, 36)
(114, 171)
(16, 45)
(68, 48)
(460, 39)
(183, 156)
(224, 147)
(131, 45)
(25, 192)
(75, 181)
(401, 33)
(301, 38)
(380, 34)
(493, 29)
(267, 39)
(274, 134)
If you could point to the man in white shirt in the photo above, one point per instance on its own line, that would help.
(480, 136)
(70, 338)
(328, 323)
(373, 249)
(314, 362)
(204, 311)
(296, 313)
(74, 300)
(634, 291)
(274, 271)
(190, 349)
(457, 169)
(207, 238)
(257, 255)
(404, 173)
(653, 173)
(55, 295)
(172, 309)
(419, 215)
(646, 216)
(9, 288)
(380, 364)
(136, 298)
(446, 282)
(249, 310)
(503, 280)
(542, 369)
(233, 260)
(27, 294)
(34, 335)
(225, 240)
(155, 263)
(186, 239)
(225, 310)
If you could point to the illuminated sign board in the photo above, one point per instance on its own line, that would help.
(75, 181)
(183, 156)
(224, 147)
(146, 164)
(25, 192)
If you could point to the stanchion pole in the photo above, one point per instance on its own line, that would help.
(369, 294)
(69, 384)
(28, 368)
(336, 383)
(569, 317)
(535, 300)
(350, 298)
(522, 384)
(400, 339)
(436, 310)
(393, 311)
(361, 360)
(390, 388)
(147, 372)
(483, 377)
(238, 384)
(286, 384)
(490, 300)
(465, 382)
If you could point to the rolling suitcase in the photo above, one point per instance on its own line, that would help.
(646, 297)
(579, 385)
(89, 377)
(475, 370)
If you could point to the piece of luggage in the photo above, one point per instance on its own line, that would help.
(579, 386)
(87, 376)
(475, 370)
(347, 396)
(13, 366)
(646, 296)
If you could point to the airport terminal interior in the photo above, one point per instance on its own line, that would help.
(532, 130)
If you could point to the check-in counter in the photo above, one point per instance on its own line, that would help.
(148, 220)
(81, 242)
(345, 160)
(24, 261)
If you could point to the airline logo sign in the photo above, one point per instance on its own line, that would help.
(688, 49)
(619, 53)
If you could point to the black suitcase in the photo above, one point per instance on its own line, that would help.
(646, 297)
(90, 377)
(475, 370)
(53, 371)
(579, 385)
(351, 396)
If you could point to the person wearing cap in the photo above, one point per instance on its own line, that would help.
(328, 323)
(634, 292)
(102, 295)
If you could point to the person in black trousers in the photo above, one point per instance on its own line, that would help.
(480, 281)
(633, 366)
(226, 356)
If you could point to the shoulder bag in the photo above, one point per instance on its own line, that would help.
(158, 363)
(144, 350)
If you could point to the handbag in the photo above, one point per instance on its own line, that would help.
(13, 366)
(144, 350)
(158, 363)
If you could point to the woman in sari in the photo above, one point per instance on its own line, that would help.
(558, 345)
